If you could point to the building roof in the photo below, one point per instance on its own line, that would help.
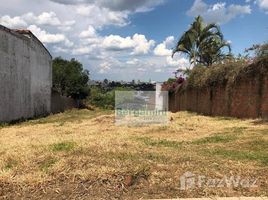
(26, 33)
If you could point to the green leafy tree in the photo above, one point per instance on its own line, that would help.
(203, 44)
(70, 79)
(102, 98)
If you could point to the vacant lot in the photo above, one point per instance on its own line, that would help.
(82, 154)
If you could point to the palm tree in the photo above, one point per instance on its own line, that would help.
(202, 43)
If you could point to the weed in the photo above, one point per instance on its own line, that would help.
(10, 163)
(3, 125)
(140, 173)
(216, 139)
(236, 130)
(160, 142)
(259, 144)
(240, 155)
(263, 132)
(63, 146)
(47, 163)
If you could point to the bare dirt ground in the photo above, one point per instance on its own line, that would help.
(83, 155)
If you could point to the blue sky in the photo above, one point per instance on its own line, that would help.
(127, 39)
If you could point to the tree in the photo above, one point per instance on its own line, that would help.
(202, 43)
(260, 50)
(70, 79)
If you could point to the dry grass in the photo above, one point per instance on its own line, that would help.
(82, 155)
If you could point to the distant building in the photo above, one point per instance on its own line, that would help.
(25, 76)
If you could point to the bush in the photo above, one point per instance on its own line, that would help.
(171, 84)
(218, 74)
(102, 98)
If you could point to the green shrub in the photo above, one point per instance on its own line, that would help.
(104, 99)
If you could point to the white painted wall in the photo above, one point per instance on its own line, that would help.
(161, 98)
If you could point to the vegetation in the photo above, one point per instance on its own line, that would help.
(70, 79)
(91, 157)
(203, 44)
(260, 51)
(103, 98)
(225, 73)
(100, 98)
(63, 146)
(228, 71)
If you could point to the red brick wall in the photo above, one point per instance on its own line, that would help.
(264, 100)
(246, 98)
(204, 101)
(220, 100)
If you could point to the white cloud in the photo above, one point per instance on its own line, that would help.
(117, 5)
(219, 12)
(142, 69)
(142, 45)
(45, 18)
(58, 49)
(82, 50)
(89, 33)
(100, 16)
(116, 42)
(15, 22)
(177, 62)
(163, 49)
(105, 67)
(101, 13)
(263, 4)
(134, 61)
(48, 38)
(66, 26)
(138, 43)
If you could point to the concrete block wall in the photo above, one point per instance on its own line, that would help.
(61, 103)
(25, 76)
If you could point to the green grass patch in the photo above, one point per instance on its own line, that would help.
(10, 163)
(74, 115)
(259, 156)
(47, 164)
(223, 118)
(258, 144)
(160, 142)
(63, 146)
(236, 130)
(3, 125)
(216, 139)
(162, 128)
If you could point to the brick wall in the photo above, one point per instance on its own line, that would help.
(246, 97)
(264, 100)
